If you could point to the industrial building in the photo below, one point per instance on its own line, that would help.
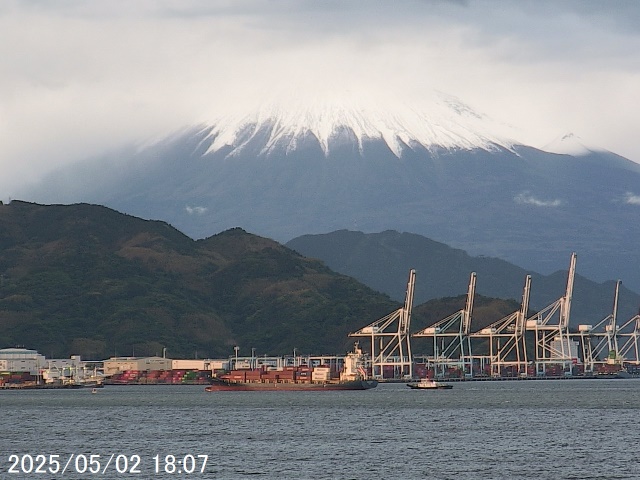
(22, 360)
(116, 365)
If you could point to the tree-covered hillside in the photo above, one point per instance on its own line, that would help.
(84, 279)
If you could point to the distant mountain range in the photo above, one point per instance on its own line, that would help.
(382, 261)
(449, 174)
(84, 279)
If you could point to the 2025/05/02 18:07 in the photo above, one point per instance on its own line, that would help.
(100, 464)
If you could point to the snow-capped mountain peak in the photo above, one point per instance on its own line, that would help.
(569, 144)
(443, 122)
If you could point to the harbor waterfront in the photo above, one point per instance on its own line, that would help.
(517, 346)
(493, 430)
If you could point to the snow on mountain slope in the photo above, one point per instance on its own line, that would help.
(442, 121)
(569, 144)
(431, 167)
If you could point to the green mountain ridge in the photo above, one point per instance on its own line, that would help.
(380, 260)
(84, 279)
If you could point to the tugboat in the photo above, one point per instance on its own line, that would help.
(427, 384)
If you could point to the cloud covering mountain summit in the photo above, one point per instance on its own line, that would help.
(445, 173)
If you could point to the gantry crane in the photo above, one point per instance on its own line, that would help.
(552, 340)
(451, 341)
(390, 340)
(507, 340)
(630, 349)
(600, 342)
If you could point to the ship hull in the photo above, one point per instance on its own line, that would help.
(223, 385)
(429, 386)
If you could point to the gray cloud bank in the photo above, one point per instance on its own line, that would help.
(78, 78)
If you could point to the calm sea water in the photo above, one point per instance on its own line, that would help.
(574, 429)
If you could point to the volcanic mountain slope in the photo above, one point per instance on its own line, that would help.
(447, 174)
(84, 279)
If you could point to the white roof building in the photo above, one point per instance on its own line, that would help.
(21, 360)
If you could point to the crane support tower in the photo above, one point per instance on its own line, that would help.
(390, 339)
(630, 349)
(554, 346)
(507, 340)
(451, 337)
(610, 344)
(600, 341)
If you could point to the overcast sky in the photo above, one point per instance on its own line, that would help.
(79, 78)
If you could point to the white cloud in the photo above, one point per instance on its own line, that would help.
(78, 78)
(527, 199)
(632, 199)
(195, 210)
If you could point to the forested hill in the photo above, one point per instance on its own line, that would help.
(84, 279)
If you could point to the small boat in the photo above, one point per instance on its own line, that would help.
(94, 390)
(427, 384)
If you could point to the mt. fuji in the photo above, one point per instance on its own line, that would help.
(435, 168)
(443, 122)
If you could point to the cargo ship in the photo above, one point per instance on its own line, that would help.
(352, 377)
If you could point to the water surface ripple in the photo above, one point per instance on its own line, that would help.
(578, 429)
